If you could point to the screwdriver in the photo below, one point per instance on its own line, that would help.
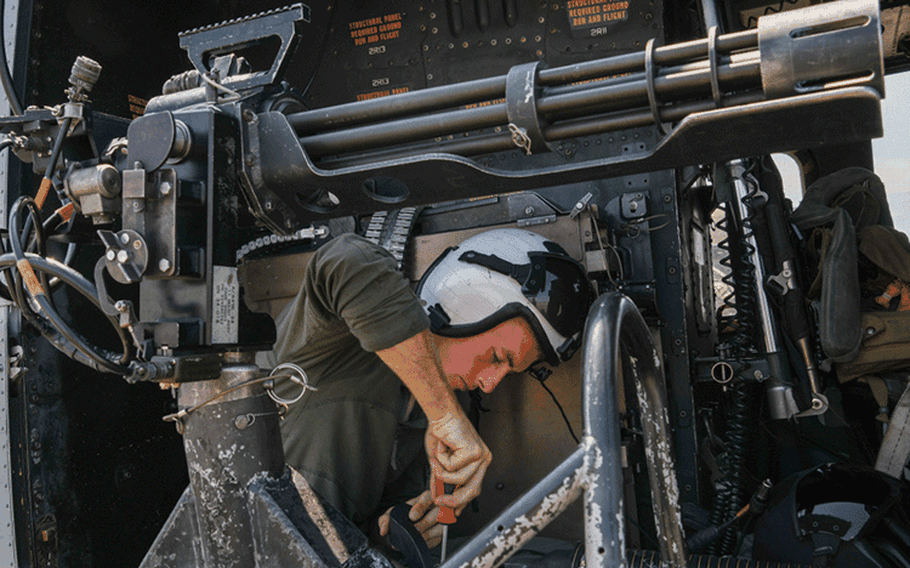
(445, 517)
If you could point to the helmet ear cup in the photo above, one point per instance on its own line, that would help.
(504, 273)
(825, 514)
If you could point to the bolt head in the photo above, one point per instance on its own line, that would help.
(123, 257)
(110, 255)
(164, 265)
(124, 238)
(165, 188)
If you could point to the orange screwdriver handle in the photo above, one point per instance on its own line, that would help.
(446, 515)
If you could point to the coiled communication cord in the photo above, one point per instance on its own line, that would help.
(737, 319)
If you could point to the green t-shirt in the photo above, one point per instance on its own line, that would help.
(353, 301)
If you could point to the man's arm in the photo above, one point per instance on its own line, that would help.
(456, 453)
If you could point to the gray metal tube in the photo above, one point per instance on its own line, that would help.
(589, 125)
(223, 455)
(596, 465)
(385, 108)
(480, 90)
(613, 97)
(669, 84)
(615, 322)
(709, 13)
(605, 538)
(737, 170)
(526, 517)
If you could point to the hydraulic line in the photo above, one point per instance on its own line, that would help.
(21, 239)
(6, 290)
(46, 181)
(37, 290)
(89, 354)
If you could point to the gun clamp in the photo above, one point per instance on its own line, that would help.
(229, 36)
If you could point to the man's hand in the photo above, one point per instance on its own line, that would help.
(457, 456)
(423, 515)
(455, 450)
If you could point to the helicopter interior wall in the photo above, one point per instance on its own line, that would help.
(96, 470)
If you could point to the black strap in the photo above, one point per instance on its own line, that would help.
(438, 317)
(519, 272)
(651, 76)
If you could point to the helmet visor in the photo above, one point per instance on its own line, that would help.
(558, 287)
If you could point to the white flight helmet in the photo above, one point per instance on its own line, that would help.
(503, 273)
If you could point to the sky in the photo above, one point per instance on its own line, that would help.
(891, 152)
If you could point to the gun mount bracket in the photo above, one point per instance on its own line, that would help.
(234, 35)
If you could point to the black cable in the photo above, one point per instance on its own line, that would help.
(58, 145)
(33, 219)
(5, 77)
(9, 289)
(70, 276)
(49, 328)
(561, 411)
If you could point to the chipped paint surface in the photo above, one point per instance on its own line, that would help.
(219, 490)
(662, 475)
(512, 538)
(596, 529)
(320, 519)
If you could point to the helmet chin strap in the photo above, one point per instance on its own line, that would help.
(569, 347)
(438, 317)
(539, 372)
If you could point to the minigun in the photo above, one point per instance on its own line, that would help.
(226, 149)
(227, 152)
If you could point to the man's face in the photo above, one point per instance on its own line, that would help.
(481, 361)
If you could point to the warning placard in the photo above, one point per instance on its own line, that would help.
(376, 30)
(593, 17)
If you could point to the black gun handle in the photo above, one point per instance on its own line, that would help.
(405, 538)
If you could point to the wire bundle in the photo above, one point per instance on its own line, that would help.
(28, 278)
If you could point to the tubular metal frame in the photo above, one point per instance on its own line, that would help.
(614, 328)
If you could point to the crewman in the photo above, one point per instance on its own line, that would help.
(386, 360)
